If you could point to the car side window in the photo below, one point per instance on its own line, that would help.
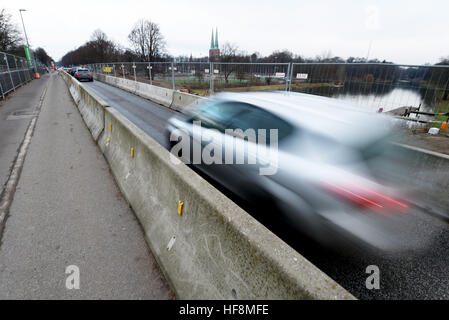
(217, 115)
(256, 118)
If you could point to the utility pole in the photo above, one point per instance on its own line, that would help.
(26, 37)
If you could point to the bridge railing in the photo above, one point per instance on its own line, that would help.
(372, 86)
(14, 72)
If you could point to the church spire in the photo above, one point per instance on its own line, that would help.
(212, 39)
(216, 38)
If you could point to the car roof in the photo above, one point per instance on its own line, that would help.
(330, 117)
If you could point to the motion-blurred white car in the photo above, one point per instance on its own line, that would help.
(334, 168)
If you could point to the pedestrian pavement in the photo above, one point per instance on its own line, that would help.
(68, 220)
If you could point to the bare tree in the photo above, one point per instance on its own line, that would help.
(98, 49)
(228, 53)
(147, 39)
(42, 56)
(102, 48)
(98, 36)
(10, 37)
(325, 56)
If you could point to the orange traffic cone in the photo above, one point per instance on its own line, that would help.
(37, 76)
(443, 126)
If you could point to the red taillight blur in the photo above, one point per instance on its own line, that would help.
(89, 74)
(365, 197)
(78, 74)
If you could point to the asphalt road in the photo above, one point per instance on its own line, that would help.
(416, 275)
(148, 116)
(68, 211)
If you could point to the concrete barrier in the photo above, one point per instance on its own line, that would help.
(89, 104)
(183, 101)
(157, 94)
(166, 97)
(213, 249)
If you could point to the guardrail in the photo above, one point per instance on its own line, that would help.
(208, 247)
(169, 98)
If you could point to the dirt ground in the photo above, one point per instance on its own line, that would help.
(421, 139)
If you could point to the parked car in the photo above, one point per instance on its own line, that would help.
(333, 168)
(82, 74)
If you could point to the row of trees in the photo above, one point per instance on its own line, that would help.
(145, 38)
(10, 37)
(11, 40)
(147, 44)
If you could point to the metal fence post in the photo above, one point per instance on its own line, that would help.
(173, 75)
(291, 76)
(134, 68)
(25, 67)
(123, 71)
(24, 73)
(10, 76)
(115, 70)
(211, 76)
(287, 76)
(18, 72)
(149, 71)
(1, 89)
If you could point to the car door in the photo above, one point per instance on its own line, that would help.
(211, 123)
(261, 153)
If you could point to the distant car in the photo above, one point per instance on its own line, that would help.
(71, 71)
(333, 164)
(83, 74)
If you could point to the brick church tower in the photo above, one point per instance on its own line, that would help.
(214, 51)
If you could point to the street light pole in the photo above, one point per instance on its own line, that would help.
(26, 37)
(23, 24)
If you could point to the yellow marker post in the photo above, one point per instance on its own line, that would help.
(109, 140)
(132, 152)
(180, 206)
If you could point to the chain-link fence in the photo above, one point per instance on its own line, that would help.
(15, 71)
(371, 86)
(202, 78)
(376, 85)
(239, 77)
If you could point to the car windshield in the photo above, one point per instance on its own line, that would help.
(239, 115)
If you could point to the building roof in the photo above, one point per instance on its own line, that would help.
(214, 43)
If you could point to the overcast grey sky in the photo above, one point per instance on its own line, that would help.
(412, 32)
